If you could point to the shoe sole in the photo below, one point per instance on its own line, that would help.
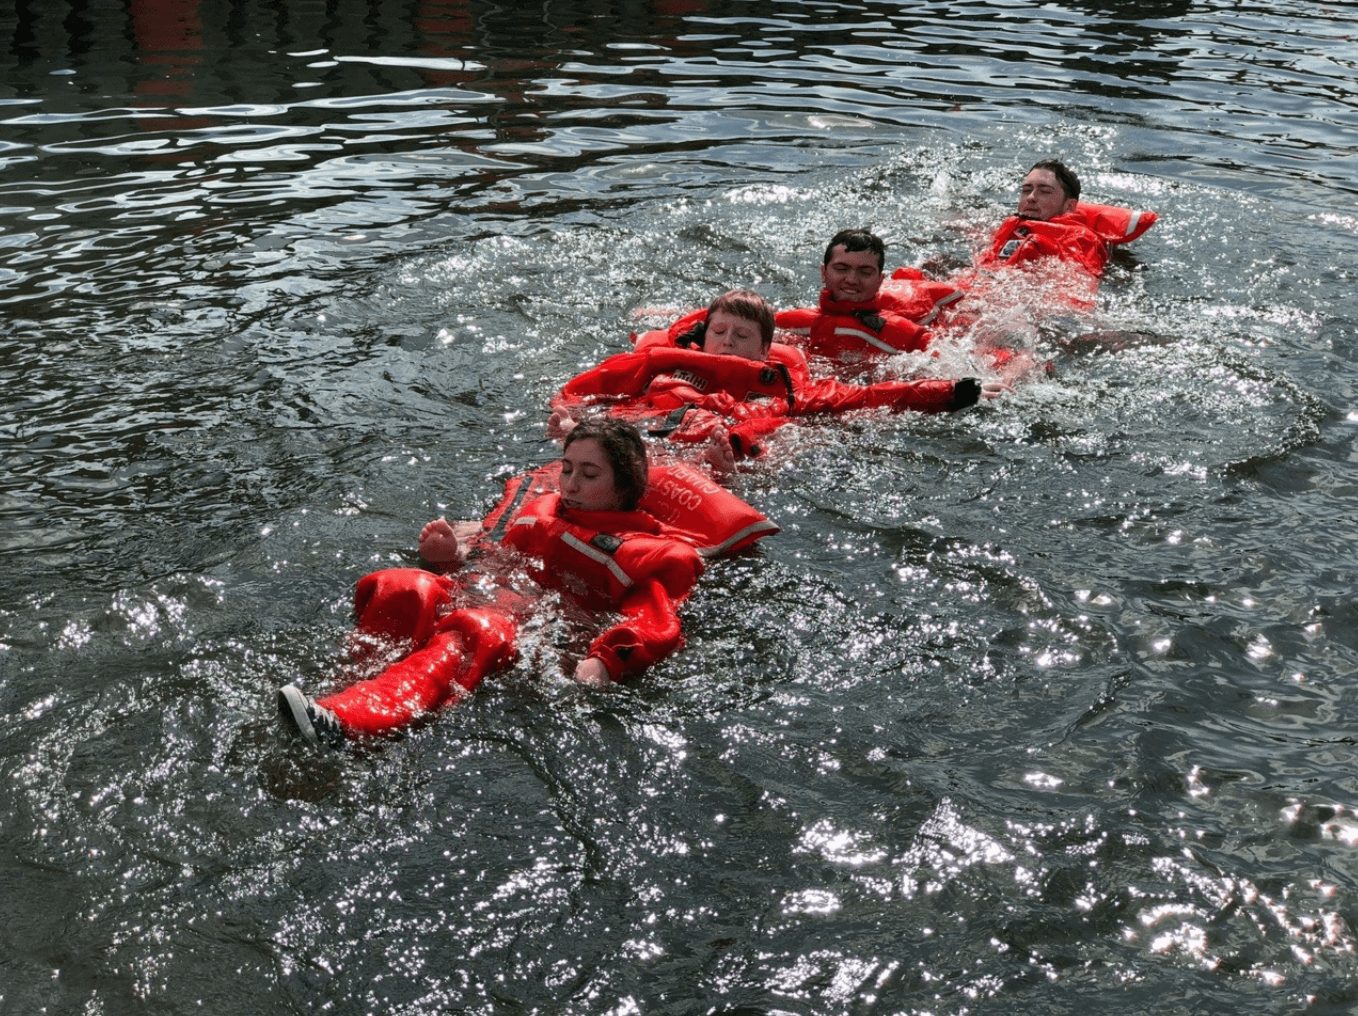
(292, 707)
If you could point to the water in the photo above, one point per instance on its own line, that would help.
(1039, 707)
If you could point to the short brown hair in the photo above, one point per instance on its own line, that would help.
(747, 304)
(1065, 176)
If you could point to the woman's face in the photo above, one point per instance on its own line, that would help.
(587, 481)
(729, 335)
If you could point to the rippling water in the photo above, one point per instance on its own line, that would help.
(1038, 707)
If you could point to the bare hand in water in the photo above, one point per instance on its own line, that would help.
(719, 454)
(592, 672)
(560, 423)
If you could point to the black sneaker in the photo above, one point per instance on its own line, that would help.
(314, 723)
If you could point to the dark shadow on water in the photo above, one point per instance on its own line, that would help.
(1112, 341)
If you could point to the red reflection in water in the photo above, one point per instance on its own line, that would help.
(169, 37)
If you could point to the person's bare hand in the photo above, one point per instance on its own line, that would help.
(591, 672)
(719, 454)
(560, 423)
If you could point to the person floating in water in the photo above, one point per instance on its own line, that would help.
(1042, 264)
(1052, 222)
(717, 378)
(852, 323)
(1051, 228)
(583, 532)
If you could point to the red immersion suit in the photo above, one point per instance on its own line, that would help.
(686, 394)
(851, 332)
(626, 562)
(1079, 242)
(1081, 237)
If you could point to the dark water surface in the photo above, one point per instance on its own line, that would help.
(1043, 707)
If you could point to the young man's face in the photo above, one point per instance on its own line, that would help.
(1041, 196)
(852, 276)
(729, 335)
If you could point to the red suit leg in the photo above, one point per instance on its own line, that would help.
(398, 605)
(470, 644)
(404, 691)
(488, 634)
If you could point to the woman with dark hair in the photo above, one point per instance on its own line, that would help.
(619, 448)
(587, 538)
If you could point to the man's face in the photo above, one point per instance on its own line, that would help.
(853, 276)
(728, 335)
(1041, 196)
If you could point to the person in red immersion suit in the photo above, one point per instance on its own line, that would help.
(1050, 222)
(1042, 264)
(852, 322)
(1052, 230)
(725, 382)
(587, 539)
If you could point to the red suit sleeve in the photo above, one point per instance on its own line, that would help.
(648, 632)
(686, 422)
(692, 416)
(828, 395)
(747, 436)
(906, 335)
(797, 319)
(747, 423)
(621, 375)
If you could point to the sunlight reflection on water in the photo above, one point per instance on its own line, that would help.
(1011, 714)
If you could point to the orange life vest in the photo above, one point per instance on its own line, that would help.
(910, 294)
(687, 333)
(1081, 236)
(599, 556)
(850, 332)
(629, 375)
(692, 507)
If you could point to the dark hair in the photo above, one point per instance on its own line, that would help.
(855, 240)
(747, 304)
(626, 453)
(1065, 176)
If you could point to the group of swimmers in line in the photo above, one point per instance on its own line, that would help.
(614, 531)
